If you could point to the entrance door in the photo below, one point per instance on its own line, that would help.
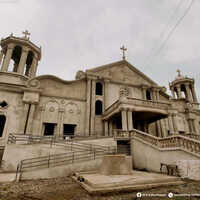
(2, 124)
(69, 130)
(49, 129)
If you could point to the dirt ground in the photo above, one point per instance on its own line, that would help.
(66, 189)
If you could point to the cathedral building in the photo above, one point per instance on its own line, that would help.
(97, 103)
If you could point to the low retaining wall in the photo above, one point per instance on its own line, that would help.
(61, 171)
(14, 153)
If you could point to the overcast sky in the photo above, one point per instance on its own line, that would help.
(81, 34)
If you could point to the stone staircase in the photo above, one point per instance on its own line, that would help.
(189, 143)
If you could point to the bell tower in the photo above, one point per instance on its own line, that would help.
(183, 88)
(23, 52)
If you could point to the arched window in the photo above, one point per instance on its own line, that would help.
(2, 124)
(16, 55)
(99, 89)
(148, 95)
(28, 63)
(98, 107)
(183, 91)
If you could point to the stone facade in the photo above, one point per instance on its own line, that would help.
(100, 100)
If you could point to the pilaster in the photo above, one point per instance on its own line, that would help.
(110, 128)
(106, 92)
(30, 120)
(106, 128)
(92, 117)
(60, 122)
(88, 109)
(42, 112)
(174, 120)
(171, 127)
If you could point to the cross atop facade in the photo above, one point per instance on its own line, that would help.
(26, 34)
(123, 50)
(179, 72)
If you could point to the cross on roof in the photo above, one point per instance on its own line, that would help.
(179, 72)
(26, 33)
(123, 51)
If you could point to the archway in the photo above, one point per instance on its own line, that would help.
(2, 124)
(28, 63)
(99, 89)
(98, 107)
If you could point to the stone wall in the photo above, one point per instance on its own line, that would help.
(148, 157)
(189, 169)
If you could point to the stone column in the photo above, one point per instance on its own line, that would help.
(130, 120)
(110, 128)
(189, 96)
(173, 93)
(23, 59)
(34, 66)
(106, 128)
(159, 128)
(30, 120)
(1, 56)
(124, 120)
(7, 58)
(194, 95)
(92, 117)
(175, 125)
(179, 91)
(87, 112)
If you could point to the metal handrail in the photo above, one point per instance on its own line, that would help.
(60, 159)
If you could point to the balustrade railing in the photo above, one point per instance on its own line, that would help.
(142, 102)
(176, 141)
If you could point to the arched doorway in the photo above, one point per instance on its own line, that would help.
(2, 124)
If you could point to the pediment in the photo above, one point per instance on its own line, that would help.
(123, 72)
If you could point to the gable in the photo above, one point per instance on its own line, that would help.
(123, 72)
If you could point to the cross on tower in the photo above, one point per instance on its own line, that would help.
(123, 50)
(26, 33)
(179, 72)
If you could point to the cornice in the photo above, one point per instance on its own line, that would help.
(62, 97)
(21, 41)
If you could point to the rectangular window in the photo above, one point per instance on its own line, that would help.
(69, 130)
(49, 129)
